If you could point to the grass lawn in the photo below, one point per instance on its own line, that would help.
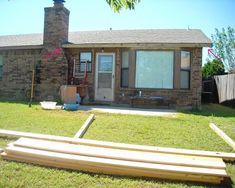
(187, 130)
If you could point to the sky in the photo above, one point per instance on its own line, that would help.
(26, 16)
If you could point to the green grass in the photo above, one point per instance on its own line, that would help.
(187, 130)
(18, 116)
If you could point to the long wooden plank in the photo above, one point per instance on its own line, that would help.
(18, 134)
(85, 126)
(140, 156)
(113, 162)
(222, 135)
(190, 157)
(105, 170)
(114, 170)
(88, 166)
(155, 149)
(185, 176)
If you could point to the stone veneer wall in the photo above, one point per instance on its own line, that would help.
(17, 72)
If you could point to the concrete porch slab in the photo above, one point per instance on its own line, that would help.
(133, 111)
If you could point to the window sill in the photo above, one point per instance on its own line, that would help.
(153, 88)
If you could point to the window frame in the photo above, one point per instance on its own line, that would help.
(125, 69)
(173, 67)
(83, 62)
(186, 70)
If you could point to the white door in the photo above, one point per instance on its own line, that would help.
(104, 87)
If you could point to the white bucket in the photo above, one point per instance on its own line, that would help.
(48, 105)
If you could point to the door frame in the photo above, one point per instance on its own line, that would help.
(113, 74)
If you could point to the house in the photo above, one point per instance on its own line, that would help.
(163, 63)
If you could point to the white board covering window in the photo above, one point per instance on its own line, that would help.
(154, 69)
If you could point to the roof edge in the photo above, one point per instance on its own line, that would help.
(26, 47)
(137, 45)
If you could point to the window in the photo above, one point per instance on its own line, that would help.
(185, 70)
(154, 69)
(1, 67)
(105, 71)
(76, 68)
(85, 62)
(125, 69)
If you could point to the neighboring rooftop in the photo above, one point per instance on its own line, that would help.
(150, 36)
(21, 40)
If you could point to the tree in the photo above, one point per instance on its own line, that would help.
(224, 46)
(117, 5)
(211, 68)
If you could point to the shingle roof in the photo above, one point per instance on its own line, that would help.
(160, 36)
(140, 36)
(21, 40)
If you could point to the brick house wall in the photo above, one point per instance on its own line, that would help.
(18, 66)
(74, 53)
(178, 97)
(17, 72)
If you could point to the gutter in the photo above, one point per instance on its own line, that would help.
(26, 47)
(138, 45)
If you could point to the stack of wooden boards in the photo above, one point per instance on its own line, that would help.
(119, 161)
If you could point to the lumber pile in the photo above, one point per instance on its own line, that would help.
(132, 147)
(117, 161)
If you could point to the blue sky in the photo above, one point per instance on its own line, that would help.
(26, 16)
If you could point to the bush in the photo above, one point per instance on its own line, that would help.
(212, 68)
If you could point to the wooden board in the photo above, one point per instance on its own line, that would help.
(114, 171)
(140, 156)
(155, 149)
(18, 134)
(222, 135)
(128, 166)
(112, 162)
(85, 126)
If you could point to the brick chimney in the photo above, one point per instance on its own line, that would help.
(54, 66)
(56, 25)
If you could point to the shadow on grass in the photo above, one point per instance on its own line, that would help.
(215, 110)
